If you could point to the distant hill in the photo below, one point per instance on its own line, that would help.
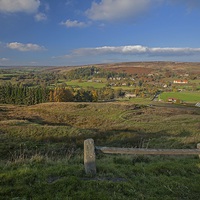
(140, 67)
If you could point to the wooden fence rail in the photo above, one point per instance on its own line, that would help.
(90, 157)
(113, 150)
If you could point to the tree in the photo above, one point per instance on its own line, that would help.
(84, 95)
(62, 94)
(51, 94)
(119, 93)
(94, 95)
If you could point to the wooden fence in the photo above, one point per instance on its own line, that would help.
(90, 156)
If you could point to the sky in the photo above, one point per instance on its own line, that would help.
(81, 32)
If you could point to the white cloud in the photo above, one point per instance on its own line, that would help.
(40, 17)
(25, 47)
(173, 51)
(112, 10)
(11, 6)
(135, 50)
(115, 10)
(70, 24)
(4, 59)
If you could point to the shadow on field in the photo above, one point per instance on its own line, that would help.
(127, 138)
(40, 121)
(61, 139)
(58, 143)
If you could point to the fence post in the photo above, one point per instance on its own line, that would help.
(89, 157)
(198, 147)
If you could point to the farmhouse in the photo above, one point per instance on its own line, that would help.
(172, 100)
(165, 85)
(129, 95)
(180, 81)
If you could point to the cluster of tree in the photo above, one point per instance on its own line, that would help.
(24, 95)
(81, 73)
(31, 78)
(66, 94)
(92, 72)
(61, 94)
(18, 94)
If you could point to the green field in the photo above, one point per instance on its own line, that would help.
(85, 84)
(192, 97)
(127, 88)
(41, 151)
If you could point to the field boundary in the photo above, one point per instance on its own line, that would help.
(90, 153)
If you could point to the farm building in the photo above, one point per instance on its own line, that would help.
(128, 95)
(174, 100)
(181, 81)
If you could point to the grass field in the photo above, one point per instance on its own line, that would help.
(85, 84)
(184, 96)
(41, 151)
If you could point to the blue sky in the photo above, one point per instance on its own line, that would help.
(76, 32)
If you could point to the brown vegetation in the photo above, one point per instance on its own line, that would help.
(139, 67)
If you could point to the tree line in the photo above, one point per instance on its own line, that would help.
(18, 94)
(24, 95)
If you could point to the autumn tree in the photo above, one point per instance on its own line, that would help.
(62, 94)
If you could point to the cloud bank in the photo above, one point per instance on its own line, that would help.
(12, 6)
(136, 50)
(25, 47)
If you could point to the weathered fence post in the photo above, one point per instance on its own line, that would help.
(198, 147)
(89, 157)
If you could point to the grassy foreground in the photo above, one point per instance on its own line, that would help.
(41, 151)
